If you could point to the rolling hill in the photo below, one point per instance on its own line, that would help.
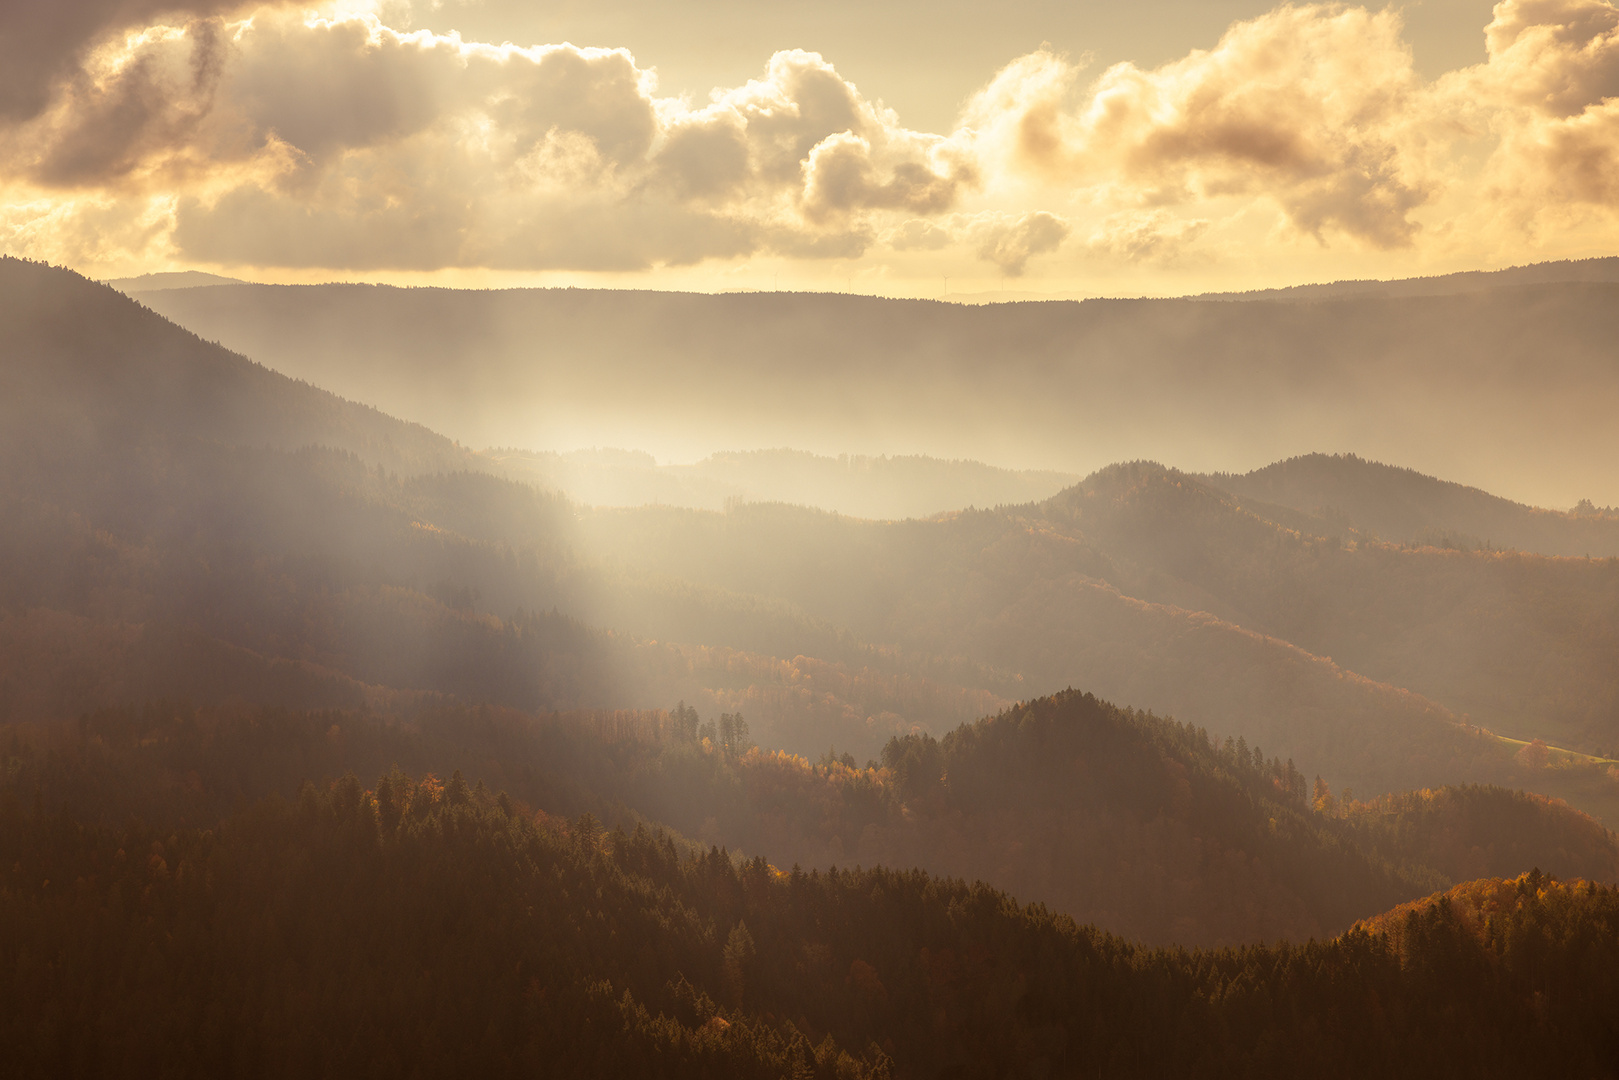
(1373, 664)
(1347, 495)
(180, 522)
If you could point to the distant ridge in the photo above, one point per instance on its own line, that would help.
(1563, 271)
(1511, 388)
(903, 486)
(171, 279)
(1405, 506)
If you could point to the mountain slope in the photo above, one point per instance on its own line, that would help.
(303, 577)
(1522, 643)
(1560, 271)
(163, 498)
(1117, 818)
(1344, 492)
(84, 366)
(1354, 659)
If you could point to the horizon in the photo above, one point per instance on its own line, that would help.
(1022, 296)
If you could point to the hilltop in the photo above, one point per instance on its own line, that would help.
(1347, 495)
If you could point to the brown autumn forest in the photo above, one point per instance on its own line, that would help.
(254, 633)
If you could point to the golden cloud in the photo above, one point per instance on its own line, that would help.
(272, 138)
(297, 141)
(1309, 106)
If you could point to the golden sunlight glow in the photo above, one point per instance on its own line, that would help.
(1303, 144)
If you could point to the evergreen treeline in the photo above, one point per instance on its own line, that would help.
(1118, 818)
(428, 928)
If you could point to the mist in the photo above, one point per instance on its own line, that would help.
(593, 678)
(1505, 387)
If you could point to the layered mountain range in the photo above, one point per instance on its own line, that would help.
(1506, 385)
(1328, 701)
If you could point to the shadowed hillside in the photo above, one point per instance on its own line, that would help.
(1139, 825)
(428, 923)
(88, 370)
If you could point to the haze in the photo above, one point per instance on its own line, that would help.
(854, 542)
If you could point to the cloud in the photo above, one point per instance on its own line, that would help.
(292, 140)
(1145, 236)
(1549, 91)
(1317, 110)
(121, 114)
(1010, 243)
(43, 41)
(265, 136)
(1310, 106)
(1556, 57)
(918, 235)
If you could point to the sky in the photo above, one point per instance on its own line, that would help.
(1037, 148)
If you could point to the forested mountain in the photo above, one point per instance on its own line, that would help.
(221, 590)
(1520, 642)
(431, 926)
(179, 526)
(1121, 819)
(181, 522)
(88, 371)
(904, 486)
(1357, 659)
(1510, 388)
(1349, 496)
(1141, 584)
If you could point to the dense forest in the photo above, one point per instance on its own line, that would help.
(433, 927)
(1134, 823)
